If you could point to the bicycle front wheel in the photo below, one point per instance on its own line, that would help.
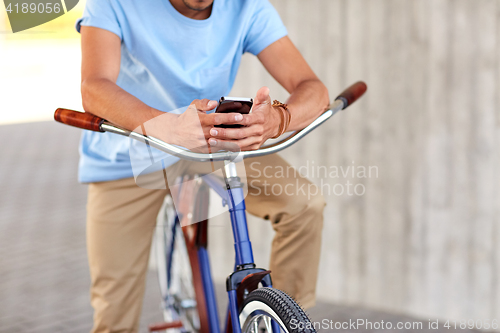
(264, 305)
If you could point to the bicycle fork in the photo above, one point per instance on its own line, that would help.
(246, 277)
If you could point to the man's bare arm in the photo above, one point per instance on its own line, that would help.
(309, 96)
(308, 99)
(103, 97)
(100, 68)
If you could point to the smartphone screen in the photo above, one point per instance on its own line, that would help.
(234, 104)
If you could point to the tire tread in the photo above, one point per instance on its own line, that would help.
(284, 306)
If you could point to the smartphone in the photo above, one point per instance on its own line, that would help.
(234, 104)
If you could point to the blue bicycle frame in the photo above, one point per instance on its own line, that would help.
(231, 192)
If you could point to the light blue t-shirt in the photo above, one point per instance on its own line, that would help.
(168, 60)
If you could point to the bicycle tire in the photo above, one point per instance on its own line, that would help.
(264, 304)
(175, 274)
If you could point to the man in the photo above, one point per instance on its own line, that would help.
(141, 59)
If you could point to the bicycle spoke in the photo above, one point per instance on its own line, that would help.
(255, 326)
(267, 322)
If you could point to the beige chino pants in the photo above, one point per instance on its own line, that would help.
(121, 218)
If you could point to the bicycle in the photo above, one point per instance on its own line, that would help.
(184, 270)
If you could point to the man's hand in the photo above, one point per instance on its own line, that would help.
(261, 124)
(191, 128)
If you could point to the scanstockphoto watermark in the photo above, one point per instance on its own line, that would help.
(357, 324)
(330, 180)
(365, 324)
(26, 14)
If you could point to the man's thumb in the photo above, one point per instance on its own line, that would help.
(262, 96)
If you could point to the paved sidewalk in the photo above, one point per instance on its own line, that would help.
(43, 266)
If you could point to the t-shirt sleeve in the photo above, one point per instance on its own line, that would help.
(265, 28)
(100, 14)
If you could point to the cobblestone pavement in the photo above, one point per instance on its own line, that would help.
(44, 280)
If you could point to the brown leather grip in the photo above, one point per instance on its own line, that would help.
(79, 119)
(351, 94)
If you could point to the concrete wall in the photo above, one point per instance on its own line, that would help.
(423, 239)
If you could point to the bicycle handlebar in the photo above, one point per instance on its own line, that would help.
(79, 119)
(94, 123)
(351, 94)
